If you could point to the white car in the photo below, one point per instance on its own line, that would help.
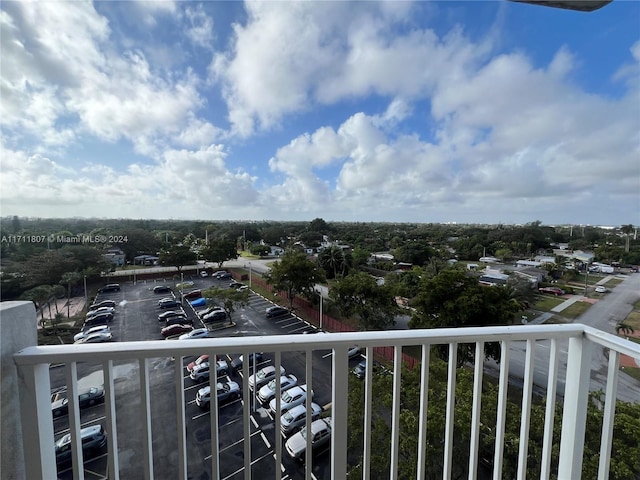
(296, 417)
(296, 446)
(193, 334)
(97, 337)
(601, 289)
(268, 391)
(291, 398)
(89, 331)
(264, 375)
(200, 372)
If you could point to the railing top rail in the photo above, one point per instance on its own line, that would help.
(163, 348)
(621, 345)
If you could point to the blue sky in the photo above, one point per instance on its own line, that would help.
(470, 112)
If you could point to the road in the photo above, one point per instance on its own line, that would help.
(603, 315)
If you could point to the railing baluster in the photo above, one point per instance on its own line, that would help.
(278, 364)
(145, 414)
(339, 407)
(502, 409)
(246, 424)
(74, 420)
(574, 414)
(525, 416)
(395, 415)
(368, 388)
(424, 407)
(450, 410)
(110, 415)
(214, 415)
(608, 415)
(476, 409)
(308, 464)
(549, 415)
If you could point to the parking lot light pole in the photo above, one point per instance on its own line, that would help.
(181, 289)
(249, 274)
(85, 291)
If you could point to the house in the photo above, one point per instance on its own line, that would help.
(276, 251)
(147, 260)
(534, 275)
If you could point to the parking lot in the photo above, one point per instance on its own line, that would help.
(136, 318)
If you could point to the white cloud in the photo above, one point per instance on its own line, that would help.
(200, 29)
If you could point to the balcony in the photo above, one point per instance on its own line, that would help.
(566, 362)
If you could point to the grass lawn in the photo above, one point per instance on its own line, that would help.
(575, 310)
(546, 302)
(556, 319)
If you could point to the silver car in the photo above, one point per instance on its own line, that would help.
(264, 375)
(296, 446)
(268, 391)
(297, 417)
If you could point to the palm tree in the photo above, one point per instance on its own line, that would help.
(625, 328)
(39, 296)
(334, 261)
(627, 230)
(70, 278)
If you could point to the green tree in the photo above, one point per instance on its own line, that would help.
(294, 274)
(358, 294)
(220, 250)
(334, 261)
(229, 298)
(260, 250)
(624, 328)
(453, 299)
(70, 279)
(39, 296)
(177, 256)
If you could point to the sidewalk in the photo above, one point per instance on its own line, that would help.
(76, 305)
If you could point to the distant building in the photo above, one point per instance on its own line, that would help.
(115, 256)
(493, 278)
(146, 260)
(276, 251)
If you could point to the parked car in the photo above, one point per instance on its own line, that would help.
(178, 320)
(243, 288)
(87, 397)
(169, 303)
(193, 334)
(196, 362)
(551, 290)
(175, 329)
(268, 391)
(90, 330)
(215, 316)
(202, 313)
(222, 275)
(296, 446)
(101, 319)
(360, 369)
(164, 316)
(162, 289)
(296, 418)
(200, 372)
(353, 352)
(236, 363)
(103, 303)
(94, 438)
(289, 399)
(98, 337)
(601, 289)
(192, 295)
(275, 311)
(226, 391)
(99, 311)
(110, 287)
(235, 284)
(204, 273)
(262, 376)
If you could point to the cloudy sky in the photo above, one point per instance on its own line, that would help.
(360, 111)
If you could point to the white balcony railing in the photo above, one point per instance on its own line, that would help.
(34, 363)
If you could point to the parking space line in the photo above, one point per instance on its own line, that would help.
(290, 325)
(264, 439)
(299, 329)
(82, 425)
(234, 444)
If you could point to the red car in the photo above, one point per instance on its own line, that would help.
(192, 295)
(551, 290)
(196, 362)
(175, 329)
